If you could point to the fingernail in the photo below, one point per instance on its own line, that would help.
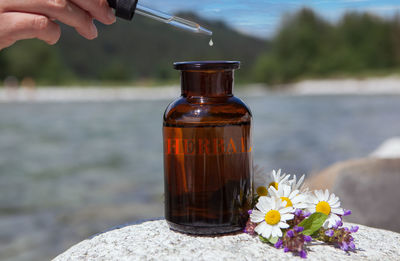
(93, 30)
(111, 15)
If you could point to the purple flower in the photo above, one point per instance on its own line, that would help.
(329, 232)
(344, 246)
(307, 214)
(298, 212)
(354, 229)
(338, 224)
(303, 254)
(278, 244)
(250, 211)
(340, 237)
(286, 249)
(250, 226)
(307, 238)
(347, 212)
(298, 229)
(290, 233)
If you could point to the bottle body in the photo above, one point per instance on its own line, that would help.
(207, 163)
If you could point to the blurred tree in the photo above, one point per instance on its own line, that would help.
(35, 59)
(296, 49)
(3, 67)
(308, 46)
(364, 43)
(395, 35)
(115, 72)
(147, 49)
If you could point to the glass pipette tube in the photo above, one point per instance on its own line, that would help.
(172, 20)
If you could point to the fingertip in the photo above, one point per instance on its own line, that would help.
(93, 32)
(111, 16)
(52, 36)
(53, 41)
(90, 32)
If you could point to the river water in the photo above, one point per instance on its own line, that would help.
(70, 170)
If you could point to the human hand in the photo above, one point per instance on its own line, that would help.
(26, 19)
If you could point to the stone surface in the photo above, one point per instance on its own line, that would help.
(154, 241)
(369, 187)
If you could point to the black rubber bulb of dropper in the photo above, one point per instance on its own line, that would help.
(123, 8)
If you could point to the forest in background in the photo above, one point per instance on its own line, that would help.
(305, 46)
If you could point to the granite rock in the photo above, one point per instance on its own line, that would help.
(154, 241)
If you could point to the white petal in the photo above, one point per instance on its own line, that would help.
(263, 229)
(338, 211)
(337, 205)
(314, 200)
(333, 201)
(311, 209)
(331, 220)
(285, 217)
(284, 180)
(273, 192)
(283, 225)
(300, 182)
(276, 231)
(286, 190)
(279, 203)
(257, 216)
(319, 194)
(294, 180)
(274, 176)
(300, 205)
(264, 204)
(286, 210)
(274, 201)
(331, 197)
(294, 194)
(299, 198)
(326, 195)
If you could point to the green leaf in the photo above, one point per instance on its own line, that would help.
(263, 239)
(271, 240)
(313, 223)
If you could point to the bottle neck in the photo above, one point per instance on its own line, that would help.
(207, 83)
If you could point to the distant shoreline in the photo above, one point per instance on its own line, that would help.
(368, 86)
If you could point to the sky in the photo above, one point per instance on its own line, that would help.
(261, 18)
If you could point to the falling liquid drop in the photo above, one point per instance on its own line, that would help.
(211, 43)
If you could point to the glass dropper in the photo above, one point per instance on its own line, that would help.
(172, 20)
(127, 8)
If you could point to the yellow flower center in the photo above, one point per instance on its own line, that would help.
(273, 184)
(288, 201)
(323, 207)
(273, 217)
(262, 191)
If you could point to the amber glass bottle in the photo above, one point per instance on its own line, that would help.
(207, 152)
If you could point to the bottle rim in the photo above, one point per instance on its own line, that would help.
(207, 65)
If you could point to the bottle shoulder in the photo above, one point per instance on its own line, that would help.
(207, 111)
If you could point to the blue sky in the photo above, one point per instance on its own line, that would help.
(262, 17)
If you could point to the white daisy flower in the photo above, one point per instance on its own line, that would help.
(297, 185)
(271, 214)
(260, 180)
(277, 178)
(292, 198)
(328, 204)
